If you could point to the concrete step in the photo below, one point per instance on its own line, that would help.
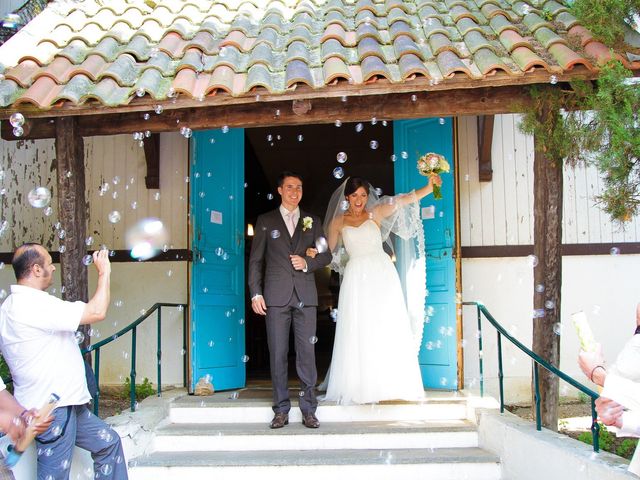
(331, 435)
(372, 464)
(190, 409)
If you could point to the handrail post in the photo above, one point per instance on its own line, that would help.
(480, 351)
(159, 352)
(184, 346)
(132, 393)
(500, 373)
(595, 426)
(96, 403)
(537, 395)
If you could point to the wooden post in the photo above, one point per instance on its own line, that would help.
(547, 187)
(72, 211)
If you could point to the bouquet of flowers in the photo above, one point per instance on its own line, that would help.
(433, 164)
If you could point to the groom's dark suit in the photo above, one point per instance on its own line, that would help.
(290, 296)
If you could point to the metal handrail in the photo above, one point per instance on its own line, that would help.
(537, 361)
(132, 327)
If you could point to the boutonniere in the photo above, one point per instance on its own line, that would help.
(307, 223)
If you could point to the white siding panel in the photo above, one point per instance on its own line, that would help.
(501, 212)
(500, 153)
(464, 165)
(510, 181)
(27, 164)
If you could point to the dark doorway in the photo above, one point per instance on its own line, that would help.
(312, 151)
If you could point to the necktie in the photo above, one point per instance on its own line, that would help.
(291, 226)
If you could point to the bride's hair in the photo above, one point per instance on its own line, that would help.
(353, 184)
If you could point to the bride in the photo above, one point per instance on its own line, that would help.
(378, 334)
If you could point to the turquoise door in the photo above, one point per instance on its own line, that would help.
(217, 280)
(438, 353)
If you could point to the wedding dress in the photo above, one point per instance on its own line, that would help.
(374, 353)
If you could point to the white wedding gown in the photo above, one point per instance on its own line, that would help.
(374, 354)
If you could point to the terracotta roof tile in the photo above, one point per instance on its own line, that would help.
(23, 73)
(112, 52)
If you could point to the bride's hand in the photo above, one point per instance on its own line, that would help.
(311, 252)
(435, 179)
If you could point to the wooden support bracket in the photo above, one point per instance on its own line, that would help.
(152, 156)
(485, 140)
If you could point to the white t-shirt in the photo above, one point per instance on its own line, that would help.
(37, 338)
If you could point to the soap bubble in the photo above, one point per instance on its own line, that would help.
(225, 129)
(146, 116)
(106, 469)
(338, 172)
(338, 123)
(39, 197)
(313, 340)
(269, 196)
(300, 138)
(321, 244)
(441, 121)
(614, 251)
(414, 98)
(146, 238)
(333, 313)
(540, 288)
(344, 205)
(158, 109)
(532, 261)
(114, 217)
(245, 358)
(79, 337)
(219, 251)
(16, 120)
(549, 304)
(18, 132)
(404, 155)
(553, 79)
(359, 127)
(341, 157)
(186, 132)
(373, 144)
(557, 328)
(275, 234)
(87, 260)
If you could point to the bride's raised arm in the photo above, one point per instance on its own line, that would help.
(387, 209)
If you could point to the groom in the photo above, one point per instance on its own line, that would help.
(283, 287)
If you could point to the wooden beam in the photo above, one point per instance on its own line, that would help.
(480, 101)
(547, 248)
(72, 210)
(152, 156)
(485, 141)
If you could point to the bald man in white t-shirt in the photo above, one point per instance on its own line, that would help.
(37, 338)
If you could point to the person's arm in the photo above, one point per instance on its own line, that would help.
(96, 309)
(256, 261)
(14, 417)
(385, 210)
(321, 259)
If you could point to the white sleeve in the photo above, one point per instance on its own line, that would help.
(2, 385)
(625, 392)
(62, 315)
(630, 425)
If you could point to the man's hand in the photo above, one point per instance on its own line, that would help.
(298, 262)
(258, 305)
(311, 252)
(101, 261)
(609, 412)
(12, 426)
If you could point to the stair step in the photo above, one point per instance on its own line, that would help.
(336, 435)
(374, 464)
(210, 410)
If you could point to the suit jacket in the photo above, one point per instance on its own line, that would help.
(270, 271)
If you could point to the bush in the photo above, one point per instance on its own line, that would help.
(143, 390)
(624, 448)
(627, 447)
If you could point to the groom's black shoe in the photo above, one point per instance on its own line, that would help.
(280, 420)
(309, 420)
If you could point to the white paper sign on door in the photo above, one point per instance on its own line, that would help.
(216, 217)
(428, 212)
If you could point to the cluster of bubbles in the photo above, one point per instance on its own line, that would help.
(17, 122)
(140, 136)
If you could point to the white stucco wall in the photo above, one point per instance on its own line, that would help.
(602, 286)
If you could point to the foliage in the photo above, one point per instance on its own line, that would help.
(598, 124)
(143, 390)
(583, 397)
(624, 448)
(627, 447)
(5, 374)
(603, 17)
